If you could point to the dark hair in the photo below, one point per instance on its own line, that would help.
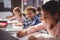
(52, 7)
(39, 9)
(31, 8)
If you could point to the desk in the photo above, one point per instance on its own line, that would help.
(26, 37)
(10, 27)
(13, 31)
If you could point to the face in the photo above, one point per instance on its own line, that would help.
(29, 14)
(47, 16)
(16, 13)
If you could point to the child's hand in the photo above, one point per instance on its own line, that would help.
(17, 24)
(32, 37)
(21, 33)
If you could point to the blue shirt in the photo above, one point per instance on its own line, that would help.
(32, 22)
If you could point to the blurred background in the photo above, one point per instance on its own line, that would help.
(6, 6)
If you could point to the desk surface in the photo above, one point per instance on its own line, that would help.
(36, 34)
(9, 21)
(12, 30)
(10, 27)
(25, 37)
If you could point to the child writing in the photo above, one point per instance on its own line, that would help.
(17, 14)
(30, 18)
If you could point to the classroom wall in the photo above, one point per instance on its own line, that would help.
(4, 14)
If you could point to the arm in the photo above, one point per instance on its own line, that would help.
(35, 28)
(12, 18)
(9, 16)
(18, 24)
(31, 29)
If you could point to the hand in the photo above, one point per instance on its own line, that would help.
(32, 37)
(21, 33)
(18, 24)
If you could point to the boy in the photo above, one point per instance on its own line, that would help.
(31, 18)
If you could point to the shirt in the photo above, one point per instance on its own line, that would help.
(55, 31)
(28, 23)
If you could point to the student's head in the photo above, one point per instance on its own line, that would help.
(30, 12)
(38, 12)
(51, 11)
(17, 11)
(39, 9)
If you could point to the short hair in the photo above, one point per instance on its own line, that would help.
(30, 8)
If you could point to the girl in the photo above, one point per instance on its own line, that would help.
(17, 14)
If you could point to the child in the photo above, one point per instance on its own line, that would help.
(17, 14)
(31, 18)
(50, 22)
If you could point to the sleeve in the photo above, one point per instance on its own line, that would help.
(40, 26)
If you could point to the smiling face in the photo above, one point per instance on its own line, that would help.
(50, 11)
(48, 17)
(29, 14)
